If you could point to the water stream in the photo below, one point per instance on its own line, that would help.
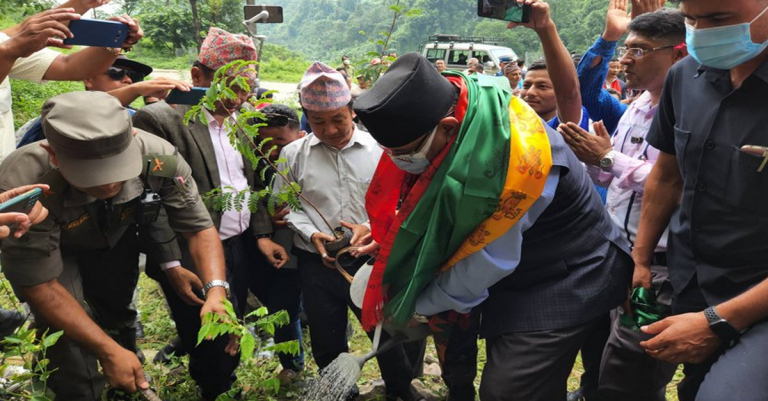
(334, 381)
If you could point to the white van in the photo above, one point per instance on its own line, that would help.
(456, 50)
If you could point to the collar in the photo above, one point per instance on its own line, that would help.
(358, 138)
(132, 189)
(643, 104)
(714, 74)
(212, 121)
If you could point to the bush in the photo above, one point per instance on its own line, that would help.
(28, 97)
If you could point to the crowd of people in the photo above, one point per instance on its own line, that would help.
(606, 203)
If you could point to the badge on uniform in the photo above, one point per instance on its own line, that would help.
(182, 185)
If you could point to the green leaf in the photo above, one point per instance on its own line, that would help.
(271, 384)
(51, 339)
(247, 345)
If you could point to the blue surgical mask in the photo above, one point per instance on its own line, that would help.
(417, 162)
(724, 47)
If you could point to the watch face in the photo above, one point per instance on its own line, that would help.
(606, 162)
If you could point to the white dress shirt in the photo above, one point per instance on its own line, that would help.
(336, 181)
(232, 176)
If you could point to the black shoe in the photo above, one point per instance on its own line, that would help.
(10, 320)
(174, 348)
(139, 329)
(576, 395)
(354, 393)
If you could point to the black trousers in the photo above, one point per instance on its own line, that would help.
(592, 354)
(211, 367)
(532, 366)
(326, 301)
(278, 289)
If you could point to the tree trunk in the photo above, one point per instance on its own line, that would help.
(196, 24)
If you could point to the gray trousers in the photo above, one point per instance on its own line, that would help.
(736, 371)
(532, 366)
(627, 373)
(103, 283)
(741, 372)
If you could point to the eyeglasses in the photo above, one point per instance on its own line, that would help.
(638, 53)
(119, 73)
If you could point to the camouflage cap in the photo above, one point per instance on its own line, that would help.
(92, 136)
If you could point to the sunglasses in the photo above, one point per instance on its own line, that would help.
(119, 73)
(278, 120)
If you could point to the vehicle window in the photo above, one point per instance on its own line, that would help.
(482, 56)
(458, 57)
(435, 54)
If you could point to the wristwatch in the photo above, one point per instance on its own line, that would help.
(606, 162)
(215, 283)
(720, 326)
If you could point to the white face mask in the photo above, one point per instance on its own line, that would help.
(346, 62)
(417, 162)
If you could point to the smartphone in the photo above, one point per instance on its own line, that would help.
(275, 14)
(505, 10)
(22, 203)
(98, 33)
(181, 97)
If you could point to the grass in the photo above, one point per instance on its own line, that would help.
(173, 382)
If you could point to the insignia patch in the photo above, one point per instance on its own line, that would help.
(77, 222)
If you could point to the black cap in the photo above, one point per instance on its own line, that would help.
(141, 68)
(406, 102)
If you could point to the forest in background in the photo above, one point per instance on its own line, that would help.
(326, 29)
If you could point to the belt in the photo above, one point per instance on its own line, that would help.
(659, 259)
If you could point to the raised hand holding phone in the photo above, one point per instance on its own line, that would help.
(18, 211)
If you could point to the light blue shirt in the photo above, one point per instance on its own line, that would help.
(466, 284)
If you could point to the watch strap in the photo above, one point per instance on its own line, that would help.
(720, 326)
(215, 283)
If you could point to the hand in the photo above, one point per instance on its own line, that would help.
(616, 20)
(588, 148)
(214, 303)
(233, 346)
(681, 338)
(358, 231)
(123, 370)
(642, 277)
(159, 87)
(275, 254)
(640, 7)
(20, 221)
(184, 283)
(278, 219)
(318, 240)
(540, 16)
(40, 30)
(368, 246)
(134, 29)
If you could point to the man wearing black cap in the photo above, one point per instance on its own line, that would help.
(123, 80)
(78, 268)
(479, 202)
